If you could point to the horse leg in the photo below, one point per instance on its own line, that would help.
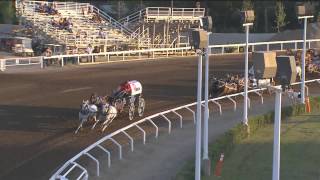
(110, 121)
(80, 126)
(107, 122)
(104, 126)
(96, 122)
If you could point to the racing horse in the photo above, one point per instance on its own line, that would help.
(108, 113)
(87, 113)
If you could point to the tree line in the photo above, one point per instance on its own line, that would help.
(270, 15)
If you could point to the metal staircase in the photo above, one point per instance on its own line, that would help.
(157, 19)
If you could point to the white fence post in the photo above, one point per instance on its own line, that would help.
(2, 64)
(41, 62)
(62, 62)
(309, 45)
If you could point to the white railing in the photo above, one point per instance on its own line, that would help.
(164, 12)
(59, 5)
(20, 61)
(63, 171)
(137, 54)
(158, 11)
(122, 55)
(131, 55)
(182, 13)
(263, 46)
(112, 21)
(133, 17)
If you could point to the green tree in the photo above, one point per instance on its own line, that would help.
(247, 5)
(280, 16)
(7, 12)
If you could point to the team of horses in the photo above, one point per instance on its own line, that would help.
(102, 111)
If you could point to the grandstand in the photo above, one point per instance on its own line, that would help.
(152, 27)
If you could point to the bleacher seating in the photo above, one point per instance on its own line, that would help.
(84, 29)
(152, 27)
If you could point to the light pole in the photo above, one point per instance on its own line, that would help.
(304, 11)
(198, 122)
(206, 111)
(303, 61)
(245, 102)
(200, 41)
(247, 18)
(276, 136)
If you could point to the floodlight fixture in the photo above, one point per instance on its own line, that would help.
(304, 9)
(247, 16)
(198, 38)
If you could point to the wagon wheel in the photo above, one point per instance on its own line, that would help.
(131, 111)
(141, 107)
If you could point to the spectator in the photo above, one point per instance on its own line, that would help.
(101, 34)
(50, 10)
(89, 50)
(90, 9)
(61, 23)
(98, 19)
(74, 51)
(53, 22)
(83, 11)
(78, 33)
(47, 52)
(95, 50)
(46, 8)
(68, 25)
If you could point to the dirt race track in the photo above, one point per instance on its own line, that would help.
(39, 108)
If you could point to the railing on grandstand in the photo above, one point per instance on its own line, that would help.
(164, 13)
(112, 21)
(71, 164)
(59, 5)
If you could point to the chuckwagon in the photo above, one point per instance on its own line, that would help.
(128, 97)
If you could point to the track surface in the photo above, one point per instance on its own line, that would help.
(38, 109)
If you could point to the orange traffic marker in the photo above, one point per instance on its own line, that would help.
(218, 168)
(308, 107)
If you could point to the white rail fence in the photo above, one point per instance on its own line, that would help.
(264, 46)
(71, 164)
(118, 56)
(23, 61)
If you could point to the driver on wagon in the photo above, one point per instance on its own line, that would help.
(123, 90)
